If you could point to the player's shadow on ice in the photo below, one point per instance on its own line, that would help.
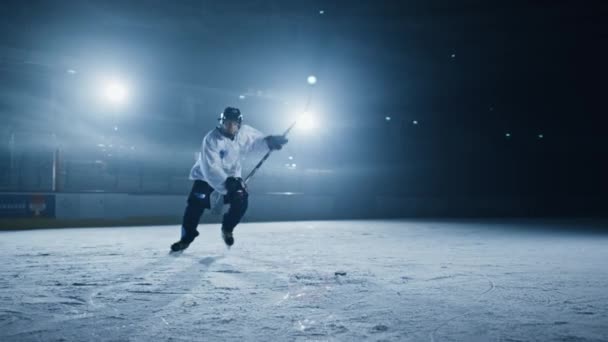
(208, 261)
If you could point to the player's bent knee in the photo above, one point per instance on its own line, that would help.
(197, 200)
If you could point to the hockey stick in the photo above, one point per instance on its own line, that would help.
(259, 164)
(255, 169)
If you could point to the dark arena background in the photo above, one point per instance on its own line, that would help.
(445, 179)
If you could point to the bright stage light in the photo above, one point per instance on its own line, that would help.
(307, 121)
(115, 92)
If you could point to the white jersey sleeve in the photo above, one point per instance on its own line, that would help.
(253, 140)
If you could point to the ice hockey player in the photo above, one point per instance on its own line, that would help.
(218, 169)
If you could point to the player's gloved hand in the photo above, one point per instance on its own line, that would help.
(275, 142)
(235, 186)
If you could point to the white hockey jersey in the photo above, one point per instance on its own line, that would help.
(220, 156)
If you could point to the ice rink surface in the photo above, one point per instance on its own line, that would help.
(300, 281)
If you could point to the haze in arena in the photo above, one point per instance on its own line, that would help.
(268, 170)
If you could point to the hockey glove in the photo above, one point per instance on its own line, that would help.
(275, 142)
